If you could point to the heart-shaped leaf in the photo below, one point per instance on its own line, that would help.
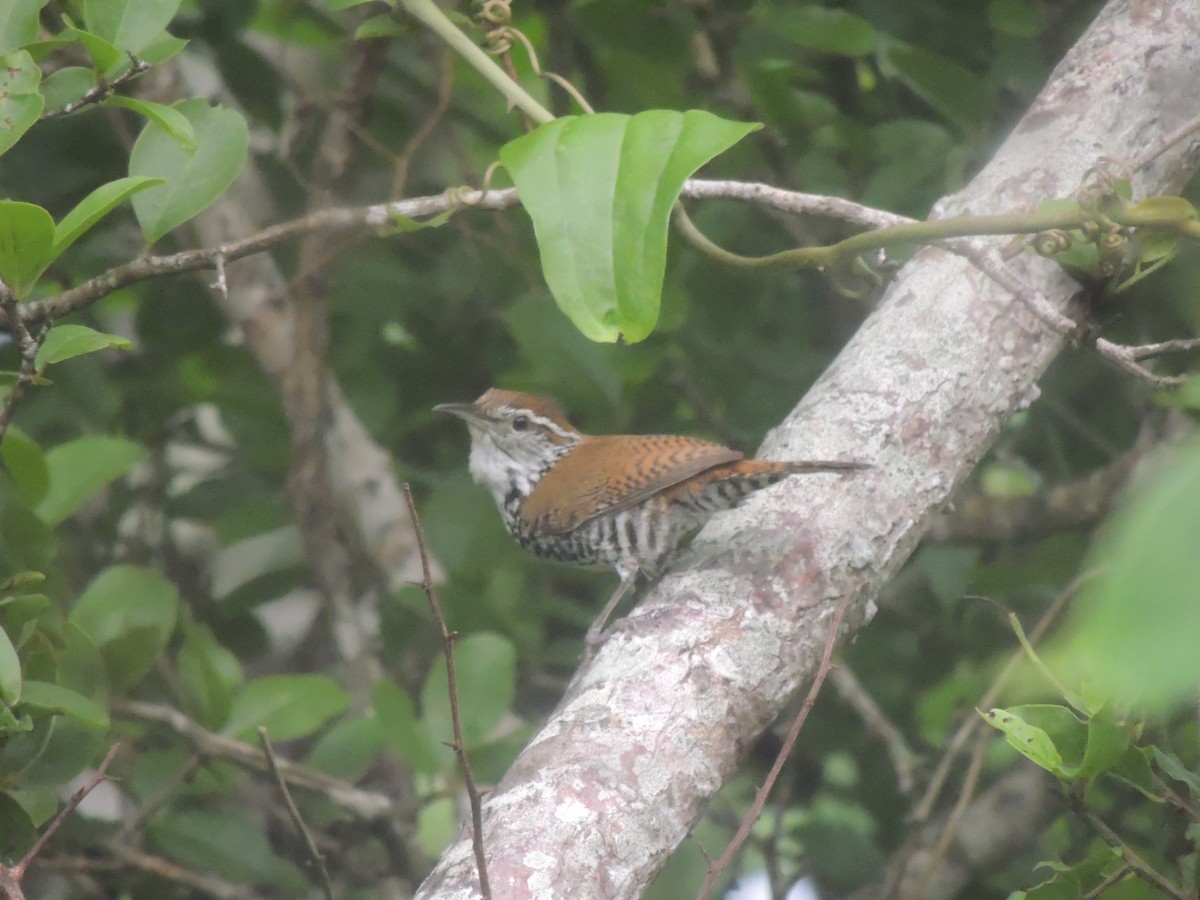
(21, 100)
(600, 190)
(193, 179)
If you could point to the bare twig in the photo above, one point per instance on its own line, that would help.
(318, 859)
(950, 830)
(366, 805)
(126, 857)
(785, 751)
(904, 760)
(1059, 506)
(1143, 869)
(28, 345)
(101, 90)
(459, 745)
(11, 877)
(1165, 143)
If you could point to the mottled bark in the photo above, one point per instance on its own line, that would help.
(646, 734)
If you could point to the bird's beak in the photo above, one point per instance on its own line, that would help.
(468, 412)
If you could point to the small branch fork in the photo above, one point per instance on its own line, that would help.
(11, 877)
(102, 90)
(318, 859)
(458, 745)
(789, 743)
(29, 345)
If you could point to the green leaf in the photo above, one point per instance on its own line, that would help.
(67, 341)
(174, 122)
(288, 706)
(1049, 735)
(108, 59)
(384, 25)
(957, 93)
(67, 85)
(349, 748)
(193, 179)
(823, 29)
(400, 727)
(53, 698)
(486, 668)
(25, 464)
(129, 612)
(336, 5)
(129, 25)
(1135, 628)
(21, 102)
(95, 206)
(17, 830)
(1172, 766)
(18, 23)
(210, 674)
(26, 243)
(1019, 18)
(10, 671)
(226, 841)
(600, 190)
(1107, 742)
(80, 469)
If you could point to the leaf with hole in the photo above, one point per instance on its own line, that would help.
(21, 100)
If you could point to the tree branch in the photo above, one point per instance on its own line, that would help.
(647, 734)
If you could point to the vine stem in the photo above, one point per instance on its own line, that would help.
(428, 14)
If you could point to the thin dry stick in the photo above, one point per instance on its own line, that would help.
(1135, 862)
(904, 760)
(11, 880)
(458, 746)
(789, 742)
(950, 829)
(314, 854)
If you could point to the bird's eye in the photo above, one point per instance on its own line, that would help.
(520, 423)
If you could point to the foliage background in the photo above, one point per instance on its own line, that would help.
(176, 574)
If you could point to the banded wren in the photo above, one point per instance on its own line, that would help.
(620, 500)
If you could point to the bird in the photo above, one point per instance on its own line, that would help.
(624, 501)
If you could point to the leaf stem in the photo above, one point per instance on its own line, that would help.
(428, 14)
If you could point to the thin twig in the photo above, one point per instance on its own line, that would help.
(789, 743)
(1163, 144)
(102, 90)
(366, 805)
(28, 346)
(459, 745)
(18, 871)
(950, 829)
(318, 859)
(904, 760)
(1135, 862)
